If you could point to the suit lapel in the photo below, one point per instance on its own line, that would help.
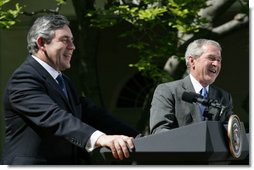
(49, 81)
(72, 99)
(194, 108)
(212, 94)
(187, 85)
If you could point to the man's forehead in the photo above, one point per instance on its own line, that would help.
(63, 32)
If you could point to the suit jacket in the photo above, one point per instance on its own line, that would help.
(43, 126)
(168, 110)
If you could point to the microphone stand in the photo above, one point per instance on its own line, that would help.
(207, 115)
(214, 110)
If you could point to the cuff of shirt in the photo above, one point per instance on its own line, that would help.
(90, 145)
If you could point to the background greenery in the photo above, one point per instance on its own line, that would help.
(153, 33)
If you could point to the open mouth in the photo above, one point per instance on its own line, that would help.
(212, 71)
(68, 55)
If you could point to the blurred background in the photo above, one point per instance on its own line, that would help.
(125, 48)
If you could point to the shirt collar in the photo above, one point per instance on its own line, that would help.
(197, 86)
(47, 67)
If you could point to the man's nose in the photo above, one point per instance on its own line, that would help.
(71, 45)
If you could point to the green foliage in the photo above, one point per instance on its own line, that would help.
(154, 29)
(8, 16)
(244, 6)
(61, 2)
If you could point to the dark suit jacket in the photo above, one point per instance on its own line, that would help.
(42, 126)
(169, 111)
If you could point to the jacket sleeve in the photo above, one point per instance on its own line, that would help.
(27, 96)
(162, 112)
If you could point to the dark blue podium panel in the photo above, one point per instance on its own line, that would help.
(200, 143)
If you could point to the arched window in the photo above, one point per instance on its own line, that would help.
(134, 92)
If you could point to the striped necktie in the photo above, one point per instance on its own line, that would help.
(203, 93)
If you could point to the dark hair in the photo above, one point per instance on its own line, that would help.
(45, 27)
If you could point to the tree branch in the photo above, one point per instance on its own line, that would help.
(56, 11)
(238, 21)
(52, 11)
(216, 8)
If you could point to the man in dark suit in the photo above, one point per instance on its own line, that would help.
(168, 110)
(46, 120)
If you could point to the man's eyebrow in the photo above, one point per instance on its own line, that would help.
(68, 37)
(214, 57)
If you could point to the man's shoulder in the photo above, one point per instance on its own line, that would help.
(29, 69)
(174, 83)
(217, 88)
(170, 87)
(220, 92)
(26, 64)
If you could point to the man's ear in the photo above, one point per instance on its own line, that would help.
(191, 59)
(40, 43)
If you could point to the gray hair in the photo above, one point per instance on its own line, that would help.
(195, 49)
(44, 27)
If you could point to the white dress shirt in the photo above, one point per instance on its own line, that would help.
(197, 86)
(90, 145)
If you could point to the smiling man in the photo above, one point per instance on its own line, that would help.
(47, 122)
(168, 110)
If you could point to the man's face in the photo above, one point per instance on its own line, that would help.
(207, 67)
(60, 49)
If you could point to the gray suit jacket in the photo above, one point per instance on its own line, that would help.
(169, 111)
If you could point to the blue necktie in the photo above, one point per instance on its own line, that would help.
(62, 84)
(203, 93)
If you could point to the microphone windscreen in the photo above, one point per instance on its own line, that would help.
(189, 97)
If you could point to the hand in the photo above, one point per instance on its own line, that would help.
(119, 145)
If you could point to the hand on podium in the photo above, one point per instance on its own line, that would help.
(119, 145)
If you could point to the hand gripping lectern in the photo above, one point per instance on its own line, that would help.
(197, 144)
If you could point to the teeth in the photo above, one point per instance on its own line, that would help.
(214, 71)
(68, 55)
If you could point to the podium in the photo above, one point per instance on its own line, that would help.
(196, 144)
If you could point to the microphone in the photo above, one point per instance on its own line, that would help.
(212, 104)
(192, 97)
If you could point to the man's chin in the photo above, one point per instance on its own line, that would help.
(65, 67)
(211, 81)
